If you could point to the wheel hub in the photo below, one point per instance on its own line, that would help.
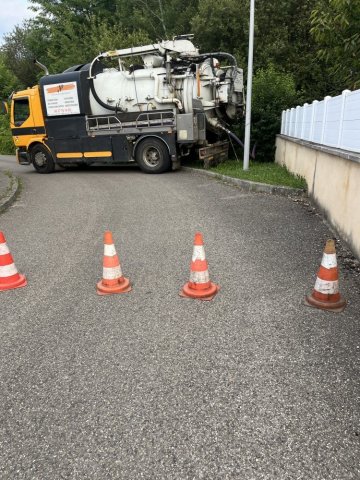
(151, 157)
(40, 159)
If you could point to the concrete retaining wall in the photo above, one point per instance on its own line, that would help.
(333, 179)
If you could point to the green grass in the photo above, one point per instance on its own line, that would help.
(270, 173)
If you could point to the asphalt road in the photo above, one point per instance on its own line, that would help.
(148, 385)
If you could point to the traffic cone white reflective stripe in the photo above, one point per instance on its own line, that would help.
(109, 250)
(329, 260)
(10, 278)
(113, 280)
(111, 263)
(199, 277)
(325, 294)
(4, 249)
(112, 273)
(326, 287)
(199, 285)
(8, 270)
(199, 272)
(198, 253)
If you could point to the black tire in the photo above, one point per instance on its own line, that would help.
(42, 159)
(152, 156)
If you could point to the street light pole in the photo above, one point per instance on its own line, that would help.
(249, 88)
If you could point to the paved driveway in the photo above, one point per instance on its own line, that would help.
(252, 385)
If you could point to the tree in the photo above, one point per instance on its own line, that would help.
(335, 28)
(8, 81)
(273, 91)
(222, 25)
(283, 39)
(21, 47)
(158, 18)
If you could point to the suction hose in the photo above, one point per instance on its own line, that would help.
(92, 86)
(215, 123)
(237, 140)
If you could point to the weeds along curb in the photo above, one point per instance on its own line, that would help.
(14, 189)
(248, 185)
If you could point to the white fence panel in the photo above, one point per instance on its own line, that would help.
(298, 121)
(334, 121)
(350, 138)
(287, 126)
(282, 131)
(292, 123)
(318, 122)
(306, 129)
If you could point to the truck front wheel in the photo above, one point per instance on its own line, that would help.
(42, 159)
(153, 156)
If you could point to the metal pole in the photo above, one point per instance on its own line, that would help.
(249, 88)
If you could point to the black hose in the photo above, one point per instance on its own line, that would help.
(234, 137)
(93, 91)
(99, 101)
(237, 140)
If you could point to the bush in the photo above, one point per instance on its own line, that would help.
(6, 143)
(273, 91)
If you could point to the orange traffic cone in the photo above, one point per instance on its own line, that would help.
(326, 291)
(199, 285)
(9, 276)
(113, 280)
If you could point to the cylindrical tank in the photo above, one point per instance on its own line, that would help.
(168, 79)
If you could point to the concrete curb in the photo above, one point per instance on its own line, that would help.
(249, 186)
(10, 197)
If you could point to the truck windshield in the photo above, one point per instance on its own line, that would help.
(21, 111)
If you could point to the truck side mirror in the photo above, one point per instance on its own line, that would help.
(3, 108)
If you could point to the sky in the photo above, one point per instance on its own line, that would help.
(12, 12)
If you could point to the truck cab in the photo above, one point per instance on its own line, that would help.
(26, 122)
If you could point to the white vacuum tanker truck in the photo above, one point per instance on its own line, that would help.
(174, 101)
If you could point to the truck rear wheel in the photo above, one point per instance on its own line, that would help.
(42, 159)
(153, 156)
